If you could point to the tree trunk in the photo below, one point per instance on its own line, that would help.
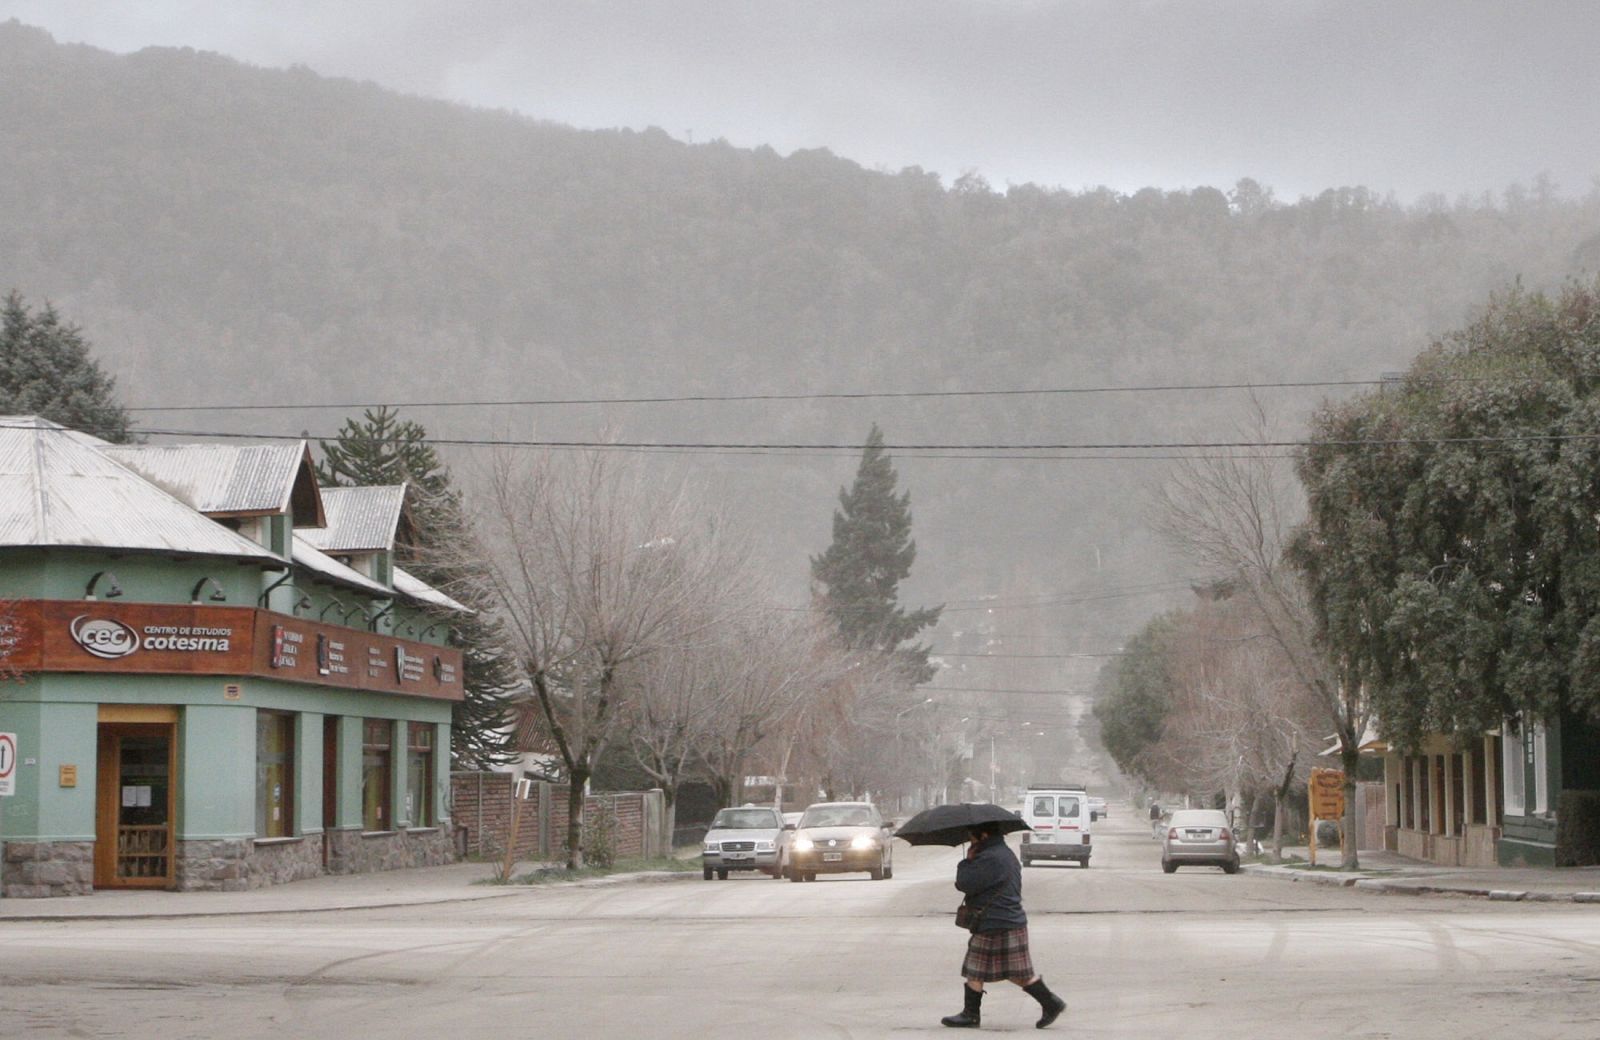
(669, 816)
(577, 780)
(1350, 759)
(1278, 811)
(1255, 808)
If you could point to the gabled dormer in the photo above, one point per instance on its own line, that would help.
(363, 526)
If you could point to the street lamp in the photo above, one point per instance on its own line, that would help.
(899, 797)
(901, 713)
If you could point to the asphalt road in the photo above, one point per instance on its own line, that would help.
(1137, 954)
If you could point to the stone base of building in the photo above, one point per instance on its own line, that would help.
(358, 852)
(41, 869)
(44, 869)
(240, 864)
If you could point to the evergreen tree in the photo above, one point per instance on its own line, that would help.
(860, 573)
(46, 370)
(378, 449)
(1450, 549)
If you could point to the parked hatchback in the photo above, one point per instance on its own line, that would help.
(1199, 837)
(840, 838)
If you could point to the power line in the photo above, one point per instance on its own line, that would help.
(1358, 442)
(980, 689)
(862, 395)
(1033, 657)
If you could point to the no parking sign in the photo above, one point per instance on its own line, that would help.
(8, 763)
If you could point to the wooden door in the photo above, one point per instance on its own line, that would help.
(136, 806)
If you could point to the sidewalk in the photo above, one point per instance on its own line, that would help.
(1391, 874)
(457, 882)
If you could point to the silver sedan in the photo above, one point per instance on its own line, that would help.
(1199, 837)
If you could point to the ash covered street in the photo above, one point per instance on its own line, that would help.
(1135, 952)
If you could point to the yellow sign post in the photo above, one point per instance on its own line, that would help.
(1325, 793)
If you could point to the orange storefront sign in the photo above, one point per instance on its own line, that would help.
(1327, 794)
(147, 638)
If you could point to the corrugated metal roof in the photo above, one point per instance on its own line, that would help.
(308, 556)
(58, 487)
(413, 587)
(219, 478)
(360, 519)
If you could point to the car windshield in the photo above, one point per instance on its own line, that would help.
(1199, 818)
(745, 819)
(839, 816)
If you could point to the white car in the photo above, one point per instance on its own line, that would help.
(741, 839)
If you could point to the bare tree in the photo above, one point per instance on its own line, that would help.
(1234, 724)
(1234, 514)
(766, 668)
(593, 567)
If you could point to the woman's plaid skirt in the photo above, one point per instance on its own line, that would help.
(998, 956)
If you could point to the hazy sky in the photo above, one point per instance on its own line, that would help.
(1403, 95)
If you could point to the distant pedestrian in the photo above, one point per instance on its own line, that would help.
(991, 878)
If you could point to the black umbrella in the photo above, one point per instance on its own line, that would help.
(952, 824)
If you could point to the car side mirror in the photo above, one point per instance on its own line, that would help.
(788, 826)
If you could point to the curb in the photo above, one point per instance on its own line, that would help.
(505, 892)
(1394, 886)
(258, 911)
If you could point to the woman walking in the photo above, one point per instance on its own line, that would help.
(991, 878)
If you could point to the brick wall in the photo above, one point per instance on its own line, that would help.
(481, 807)
(626, 807)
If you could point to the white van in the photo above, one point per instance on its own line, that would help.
(1060, 819)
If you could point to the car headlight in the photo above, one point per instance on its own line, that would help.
(804, 844)
(763, 846)
(713, 846)
(862, 841)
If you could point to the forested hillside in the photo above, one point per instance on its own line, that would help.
(229, 234)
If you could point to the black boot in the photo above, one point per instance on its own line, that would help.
(1052, 1004)
(968, 1019)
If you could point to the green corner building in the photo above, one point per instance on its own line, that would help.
(213, 676)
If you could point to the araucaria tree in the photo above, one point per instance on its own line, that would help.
(382, 449)
(1451, 549)
(858, 576)
(46, 370)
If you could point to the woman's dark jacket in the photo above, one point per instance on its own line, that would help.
(993, 878)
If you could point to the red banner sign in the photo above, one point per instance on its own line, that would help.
(149, 638)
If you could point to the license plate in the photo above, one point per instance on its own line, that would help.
(737, 855)
(832, 857)
(1197, 835)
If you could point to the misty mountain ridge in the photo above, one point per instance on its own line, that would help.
(232, 234)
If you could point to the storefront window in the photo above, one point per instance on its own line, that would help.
(419, 773)
(274, 775)
(1512, 769)
(377, 736)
